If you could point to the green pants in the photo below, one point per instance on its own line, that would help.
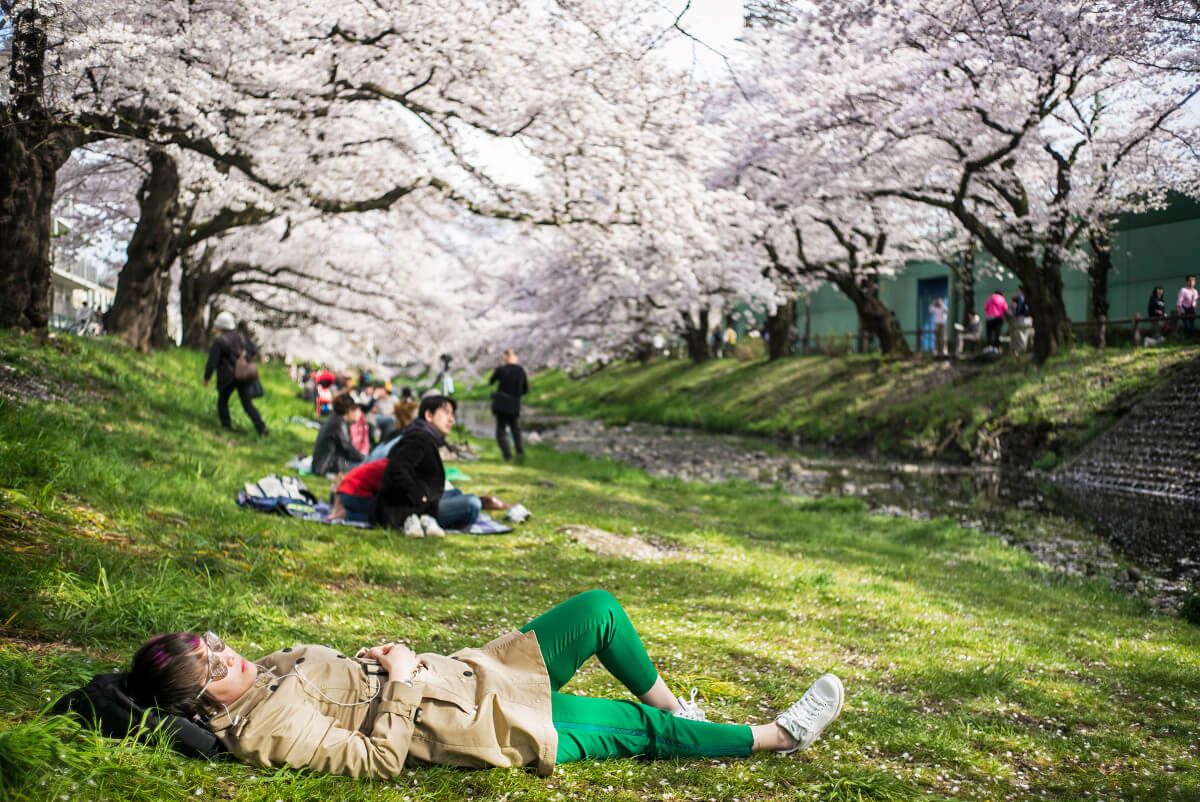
(594, 623)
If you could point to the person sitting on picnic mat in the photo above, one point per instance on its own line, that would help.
(334, 451)
(353, 496)
(412, 494)
(497, 705)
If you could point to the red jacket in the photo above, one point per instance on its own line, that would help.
(364, 480)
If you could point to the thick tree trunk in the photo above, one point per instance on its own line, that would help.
(781, 328)
(160, 336)
(150, 252)
(966, 278)
(643, 350)
(193, 302)
(1099, 269)
(873, 316)
(198, 285)
(696, 336)
(32, 148)
(878, 320)
(27, 183)
(1051, 327)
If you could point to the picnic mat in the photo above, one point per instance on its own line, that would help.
(288, 495)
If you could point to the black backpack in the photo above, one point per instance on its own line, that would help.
(104, 704)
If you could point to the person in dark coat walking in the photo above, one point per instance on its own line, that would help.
(506, 402)
(222, 357)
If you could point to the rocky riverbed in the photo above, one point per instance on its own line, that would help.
(1020, 508)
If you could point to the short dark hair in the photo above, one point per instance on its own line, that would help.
(167, 672)
(342, 403)
(432, 403)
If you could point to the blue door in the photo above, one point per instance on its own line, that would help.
(929, 289)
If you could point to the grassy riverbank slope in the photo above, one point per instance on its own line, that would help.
(1006, 411)
(972, 671)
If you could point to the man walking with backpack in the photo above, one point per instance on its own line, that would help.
(231, 357)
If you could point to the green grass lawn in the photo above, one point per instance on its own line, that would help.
(972, 672)
(911, 408)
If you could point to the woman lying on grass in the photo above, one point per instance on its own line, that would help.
(498, 705)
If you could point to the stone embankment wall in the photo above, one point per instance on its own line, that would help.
(1141, 478)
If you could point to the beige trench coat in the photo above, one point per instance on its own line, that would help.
(313, 707)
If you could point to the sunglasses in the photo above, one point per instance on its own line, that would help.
(216, 668)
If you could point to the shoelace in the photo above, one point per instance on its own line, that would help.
(689, 709)
(805, 712)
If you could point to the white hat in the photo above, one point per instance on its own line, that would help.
(225, 322)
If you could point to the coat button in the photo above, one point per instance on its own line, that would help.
(288, 649)
(274, 687)
(300, 659)
(341, 657)
(417, 716)
(468, 673)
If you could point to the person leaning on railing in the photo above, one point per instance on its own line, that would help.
(1021, 324)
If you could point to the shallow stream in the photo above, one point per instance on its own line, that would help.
(1021, 508)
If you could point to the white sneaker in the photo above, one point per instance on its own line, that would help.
(517, 514)
(430, 525)
(412, 527)
(819, 705)
(689, 709)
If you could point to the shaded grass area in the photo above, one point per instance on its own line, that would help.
(972, 671)
(916, 408)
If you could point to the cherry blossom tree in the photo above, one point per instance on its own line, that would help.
(989, 111)
(77, 73)
(347, 107)
(614, 288)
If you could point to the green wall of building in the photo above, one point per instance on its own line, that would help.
(1157, 248)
